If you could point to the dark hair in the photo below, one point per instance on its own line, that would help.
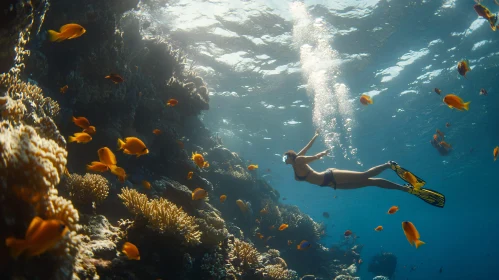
(291, 154)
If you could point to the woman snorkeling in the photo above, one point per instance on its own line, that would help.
(346, 179)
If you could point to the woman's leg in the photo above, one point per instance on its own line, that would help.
(376, 182)
(347, 176)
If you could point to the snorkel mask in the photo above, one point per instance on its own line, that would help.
(284, 158)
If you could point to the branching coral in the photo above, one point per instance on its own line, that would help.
(244, 254)
(277, 272)
(212, 226)
(88, 188)
(162, 215)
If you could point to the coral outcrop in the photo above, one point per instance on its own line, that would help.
(162, 215)
(87, 189)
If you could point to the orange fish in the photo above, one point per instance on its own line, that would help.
(447, 125)
(271, 227)
(438, 91)
(97, 166)
(378, 228)
(223, 197)
(304, 245)
(199, 160)
(67, 32)
(435, 137)
(365, 99)
(180, 144)
(445, 144)
(252, 167)
(80, 137)
(199, 193)
(393, 210)
(412, 234)
(64, 89)
(496, 151)
(483, 91)
(131, 251)
(156, 131)
(172, 102)
(290, 242)
(133, 146)
(189, 175)
(242, 206)
(115, 78)
(146, 184)
(106, 156)
(264, 211)
(259, 235)
(360, 261)
(81, 122)
(348, 232)
(90, 130)
(119, 172)
(283, 227)
(463, 67)
(41, 236)
(440, 133)
(411, 179)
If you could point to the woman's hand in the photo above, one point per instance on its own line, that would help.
(317, 131)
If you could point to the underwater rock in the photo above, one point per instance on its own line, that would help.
(18, 16)
(346, 277)
(103, 236)
(383, 264)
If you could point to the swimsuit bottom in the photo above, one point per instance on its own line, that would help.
(329, 179)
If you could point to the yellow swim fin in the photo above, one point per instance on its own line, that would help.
(401, 171)
(429, 196)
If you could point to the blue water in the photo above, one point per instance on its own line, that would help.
(395, 51)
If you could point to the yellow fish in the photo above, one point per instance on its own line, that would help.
(67, 32)
(199, 193)
(131, 251)
(80, 137)
(253, 167)
(409, 177)
(97, 166)
(454, 101)
(146, 184)
(133, 146)
(199, 160)
(412, 234)
(41, 236)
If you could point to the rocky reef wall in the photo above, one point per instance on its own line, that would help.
(178, 237)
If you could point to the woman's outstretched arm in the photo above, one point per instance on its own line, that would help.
(309, 145)
(309, 159)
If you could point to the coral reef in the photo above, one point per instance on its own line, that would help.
(243, 254)
(88, 188)
(162, 215)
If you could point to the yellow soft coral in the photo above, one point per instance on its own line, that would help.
(88, 188)
(162, 215)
